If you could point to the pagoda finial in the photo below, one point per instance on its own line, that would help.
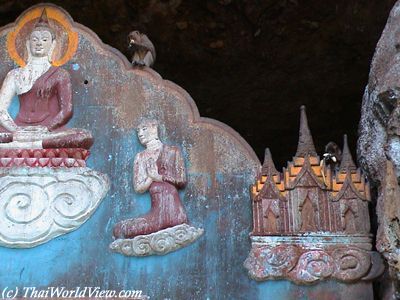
(347, 159)
(268, 168)
(306, 145)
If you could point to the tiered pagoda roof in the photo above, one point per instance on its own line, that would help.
(306, 176)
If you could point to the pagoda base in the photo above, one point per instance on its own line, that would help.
(312, 257)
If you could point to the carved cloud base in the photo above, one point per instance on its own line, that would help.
(158, 243)
(38, 204)
(307, 259)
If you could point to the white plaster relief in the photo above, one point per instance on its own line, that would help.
(38, 204)
(158, 243)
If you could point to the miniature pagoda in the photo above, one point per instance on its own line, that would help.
(311, 217)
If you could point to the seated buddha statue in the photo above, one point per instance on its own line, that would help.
(45, 97)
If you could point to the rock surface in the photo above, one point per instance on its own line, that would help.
(379, 146)
(380, 120)
(251, 64)
(388, 210)
(310, 258)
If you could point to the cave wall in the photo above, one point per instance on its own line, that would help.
(251, 64)
(110, 98)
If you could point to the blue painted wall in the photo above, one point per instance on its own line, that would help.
(216, 199)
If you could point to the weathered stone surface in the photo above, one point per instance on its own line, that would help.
(159, 170)
(38, 204)
(379, 145)
(57, 194)
(307, 259)
(158, 243)
(64, 157)
(43, 88)
(112, 98)
(277, 55)
(311, 223)
(379, 127)
(308, 196)
(388, 210)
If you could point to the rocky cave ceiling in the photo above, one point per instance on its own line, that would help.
(251, 64)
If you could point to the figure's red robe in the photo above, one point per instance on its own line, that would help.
(166, 207)
(49, 103)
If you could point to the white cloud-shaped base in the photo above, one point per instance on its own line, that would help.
(38, 204)
(158, 243)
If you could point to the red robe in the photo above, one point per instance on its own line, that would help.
(166, 207)
(49, 103)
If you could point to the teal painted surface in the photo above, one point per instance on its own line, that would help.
(210, 268)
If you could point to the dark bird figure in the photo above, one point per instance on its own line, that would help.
(332, 156)
(141, 48)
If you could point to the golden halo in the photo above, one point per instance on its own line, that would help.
(66, 48)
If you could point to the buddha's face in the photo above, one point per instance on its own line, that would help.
(40, 43)
(147, 133)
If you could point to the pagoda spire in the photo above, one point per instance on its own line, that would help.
(306, 145)
(268, 168)
(347, 159)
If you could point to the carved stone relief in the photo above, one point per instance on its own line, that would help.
(110, 96)
(324, 228)
(158, 243)
(45, 189)
(160, 170)
(38, 204)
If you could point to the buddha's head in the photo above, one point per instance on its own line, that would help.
(42, 38)
(147, 131)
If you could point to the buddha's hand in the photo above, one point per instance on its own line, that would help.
(152, 170)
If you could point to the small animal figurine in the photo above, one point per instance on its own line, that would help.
(332, 155)
(142, 49)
